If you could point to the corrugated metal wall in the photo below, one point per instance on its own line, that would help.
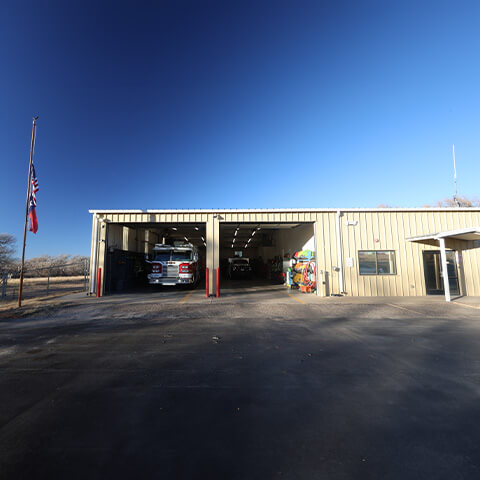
(388, 230)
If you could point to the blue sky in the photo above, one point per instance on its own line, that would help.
(208, 104)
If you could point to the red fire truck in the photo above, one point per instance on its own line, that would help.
(174, 265)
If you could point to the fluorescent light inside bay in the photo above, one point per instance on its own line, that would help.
(203, 239)
(234, 240)
(186, 238)
(235, 234)
(253, 233)
(174, 228)
(196, 228)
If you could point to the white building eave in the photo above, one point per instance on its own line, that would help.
(273, 210)
(472, 233)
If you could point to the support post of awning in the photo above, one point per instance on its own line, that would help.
(446, 283)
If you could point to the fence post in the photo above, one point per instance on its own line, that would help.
(4, 285)
(48, 281)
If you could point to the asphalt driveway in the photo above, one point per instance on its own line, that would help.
(241, 390)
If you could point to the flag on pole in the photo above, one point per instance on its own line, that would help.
(32, 215)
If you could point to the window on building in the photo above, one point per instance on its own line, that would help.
(377, 262)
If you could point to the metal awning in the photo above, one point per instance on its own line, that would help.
(471, 233)
(465, 234)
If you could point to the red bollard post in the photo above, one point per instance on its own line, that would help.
(207, 283)
(99, 279)
(218, 282)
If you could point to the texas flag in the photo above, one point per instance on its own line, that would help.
(32, 215)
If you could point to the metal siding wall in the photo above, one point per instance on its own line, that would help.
(419, 222)
(392, 229)
(402, 268)
(293, 240)
(365, 244)
(157, 217)
(472, 271)
(115, 236)
(349, 277)
(330, 254)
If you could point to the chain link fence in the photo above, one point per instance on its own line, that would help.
(45, 281)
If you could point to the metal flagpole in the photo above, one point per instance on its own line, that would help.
(20, 288)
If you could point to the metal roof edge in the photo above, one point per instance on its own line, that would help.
(458, 231)
(444, 234)
(305, 210)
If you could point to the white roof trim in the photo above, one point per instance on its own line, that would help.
(306, 210)
(447, 234)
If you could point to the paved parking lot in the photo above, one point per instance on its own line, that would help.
(253, 386)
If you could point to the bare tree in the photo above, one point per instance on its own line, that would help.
(460, 201)
(8, 246)
(57, 266)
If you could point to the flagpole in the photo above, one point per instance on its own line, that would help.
(20, 288)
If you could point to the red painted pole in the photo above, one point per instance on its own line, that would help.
(99, 279)
(207, 283)
(218, 282)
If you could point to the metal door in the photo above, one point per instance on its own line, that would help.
(434, 274)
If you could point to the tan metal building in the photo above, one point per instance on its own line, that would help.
(359, 252)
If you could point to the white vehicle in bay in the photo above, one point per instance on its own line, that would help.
(239, 267)
(176, 264)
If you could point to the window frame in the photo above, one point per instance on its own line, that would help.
(376, 262)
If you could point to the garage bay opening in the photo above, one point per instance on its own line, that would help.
(261, 257)
(153, 257)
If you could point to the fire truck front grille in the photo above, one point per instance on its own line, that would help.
(171, 271)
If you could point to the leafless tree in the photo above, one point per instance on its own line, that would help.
(460, 201)
(58, 265)
(8, 246)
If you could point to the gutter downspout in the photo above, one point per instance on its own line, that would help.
(339, 252)
(94, 256)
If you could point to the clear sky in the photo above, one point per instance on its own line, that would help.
(229, 104)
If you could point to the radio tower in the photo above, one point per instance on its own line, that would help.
(455, 197)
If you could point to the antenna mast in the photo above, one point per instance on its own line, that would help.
(455, 197)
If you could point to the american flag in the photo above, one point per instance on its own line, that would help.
(32, 215)
(34, 186)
